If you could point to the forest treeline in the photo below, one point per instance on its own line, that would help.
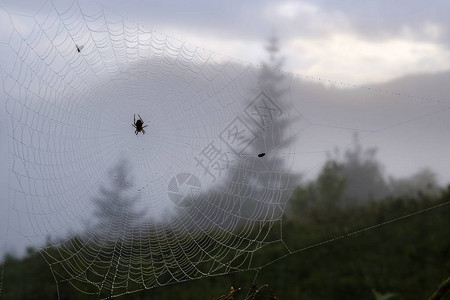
(323, 251)
(407, 257)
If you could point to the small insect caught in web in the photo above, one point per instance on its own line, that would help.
(79, 48)
(261, 154)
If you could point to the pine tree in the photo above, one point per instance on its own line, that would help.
(115, 215)
(255, 188)
(269, 177)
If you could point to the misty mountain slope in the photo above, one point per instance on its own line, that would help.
(434, 86)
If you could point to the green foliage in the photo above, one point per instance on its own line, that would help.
(408, 257)
(325, 192)
(422, 182)
(364, 174)
(355, 179)
(334, 258)
(386, 296)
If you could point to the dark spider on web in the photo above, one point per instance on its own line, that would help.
(139, 125)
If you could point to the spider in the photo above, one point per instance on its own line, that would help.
(138, 125)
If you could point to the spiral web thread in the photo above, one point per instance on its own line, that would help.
(114, 212)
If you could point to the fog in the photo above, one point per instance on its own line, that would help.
(409, 134)
(68, 145)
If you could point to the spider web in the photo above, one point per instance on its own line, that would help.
(114, 212)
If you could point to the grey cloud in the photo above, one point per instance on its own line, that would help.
(246, 19)
(386, 19)
(371, 20)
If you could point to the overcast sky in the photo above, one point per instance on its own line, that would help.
(370, 43)
(355, 41)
